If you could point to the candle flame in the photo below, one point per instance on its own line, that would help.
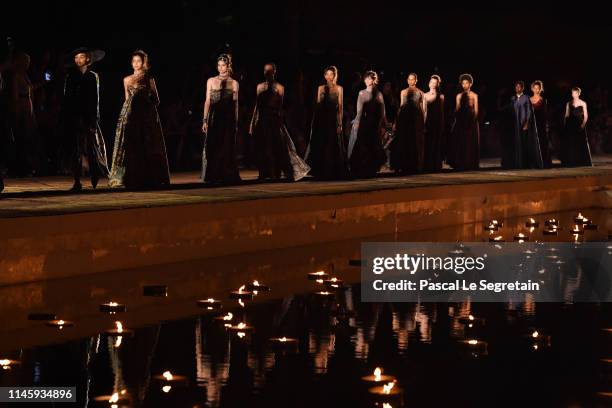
(241, 325)
(168, 375)
(210, 300)
(388, 387)
(283, 339)
(61, 322)
(113, 304)
(473, 342)
(5, 362)
(166, 388)
(119, 326)
(118, 341)
(241, 334)
(240, 302)
(387, 405)
(535, 334)
(471, 317)
(241, 289)
(377, 374)
(255, 283)
(320, 273)
(319, 280)
(228, 316)
(114, 398)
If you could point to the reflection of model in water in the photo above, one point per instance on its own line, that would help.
(219, 125)
(575, 150)
(465, 135)
(81, 116)
(274, 149)
(139, 157)
(326, 153)
(540, 112)
(408, 146)
(434, 125)
(365, 151)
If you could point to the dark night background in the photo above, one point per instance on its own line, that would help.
(562, 46)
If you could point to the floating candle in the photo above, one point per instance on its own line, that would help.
(576, 230)
(521, 237)
(386, 390)
(241, 294)
(550, 231)
(476, 347)
(333, 282)
(119, 330)
(155, 290)
(112, 308)
(551, 222)
(318, 275)
(378, 377)
(325, 294)
(531, 222)
(8, 364)
(209, 304)
(580, 219)
(60, 324)
(284, 343)
(257, 287)
(241, 329)
(497, 238)
(491, 227)
(168, 377)
(225, 319)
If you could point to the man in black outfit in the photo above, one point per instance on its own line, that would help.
(81, 117)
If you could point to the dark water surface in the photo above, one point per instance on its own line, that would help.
(519, 355)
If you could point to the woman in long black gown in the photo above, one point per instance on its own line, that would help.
(365, 151)
(219, 126)
(540, 111)
(274, 149)
(575, 143)
(407, 149)
(434, 125)
(465, 135)
(326, 154)
(139, 156)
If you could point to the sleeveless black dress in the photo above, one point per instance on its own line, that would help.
(219, 163)
(575, 147)
(326, 154)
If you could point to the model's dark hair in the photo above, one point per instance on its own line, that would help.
(227, 59)
(416, 77)
(466, 77)
(519, 82)
(144, 57)
(539, 83)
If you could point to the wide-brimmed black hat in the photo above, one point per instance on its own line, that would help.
(95, 54)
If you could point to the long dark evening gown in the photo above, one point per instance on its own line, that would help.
(274, 149)
(365, 151)
(219, 163)
(139, 156)
(575, 150)
(521, 149)
(465, 137)
(434, 132)
(407, 149)
(540, 111)
(326, 154)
